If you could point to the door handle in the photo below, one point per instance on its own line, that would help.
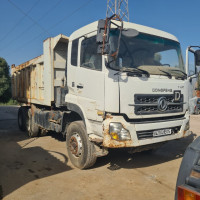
(80, 86)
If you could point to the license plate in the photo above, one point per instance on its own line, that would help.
(162, 132)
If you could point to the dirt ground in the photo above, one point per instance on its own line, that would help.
(38, 168)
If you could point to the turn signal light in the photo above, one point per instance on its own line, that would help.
(115, 136)
(187, 194)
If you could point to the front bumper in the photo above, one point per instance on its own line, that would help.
(146, 127)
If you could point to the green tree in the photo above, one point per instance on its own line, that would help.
(5, 81)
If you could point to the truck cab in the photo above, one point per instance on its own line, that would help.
(136, 99)
(111, 84)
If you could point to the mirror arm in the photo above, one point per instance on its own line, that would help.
(120, 34)
(117, 17)
(192, 77)
(106, 32)
(105, 35)
(115, 24)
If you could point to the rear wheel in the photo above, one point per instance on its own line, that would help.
(32, 127)
(22, 118)
(80, 150)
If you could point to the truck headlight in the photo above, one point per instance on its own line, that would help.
(117, 132)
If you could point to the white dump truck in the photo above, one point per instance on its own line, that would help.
(111, 84)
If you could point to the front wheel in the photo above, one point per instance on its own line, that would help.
(80, 150)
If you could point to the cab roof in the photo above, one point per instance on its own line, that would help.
(143, 29)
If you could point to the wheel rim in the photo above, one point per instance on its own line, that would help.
(75, 145)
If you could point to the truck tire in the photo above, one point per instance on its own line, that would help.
(32, 127)
(80, 150)
(22, 118)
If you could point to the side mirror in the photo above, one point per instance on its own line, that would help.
(103, 34)
(101, 39)
(197, 57)
(100, 30)
(130, 33)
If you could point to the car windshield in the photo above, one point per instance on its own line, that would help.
(147, 52)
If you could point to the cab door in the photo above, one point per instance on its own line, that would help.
(90, 78)
(192, 66)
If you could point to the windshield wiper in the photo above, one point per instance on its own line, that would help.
(167, 73)
(178, 70)
(135, 71)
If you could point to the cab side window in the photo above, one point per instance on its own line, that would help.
(89, 57)
(74, 53)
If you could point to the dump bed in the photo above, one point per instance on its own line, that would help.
(41, 79)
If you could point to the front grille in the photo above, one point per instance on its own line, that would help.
(152, 98)
(149, 134)
(148, 109)
(148, 104)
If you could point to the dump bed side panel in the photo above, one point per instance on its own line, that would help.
(27, 81)
(38, 81)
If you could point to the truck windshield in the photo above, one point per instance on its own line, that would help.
(156, 55)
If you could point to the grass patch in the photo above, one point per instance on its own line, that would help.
(11, 102)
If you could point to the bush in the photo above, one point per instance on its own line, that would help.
(5, 81)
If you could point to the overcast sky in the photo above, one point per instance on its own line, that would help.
(24, 24)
